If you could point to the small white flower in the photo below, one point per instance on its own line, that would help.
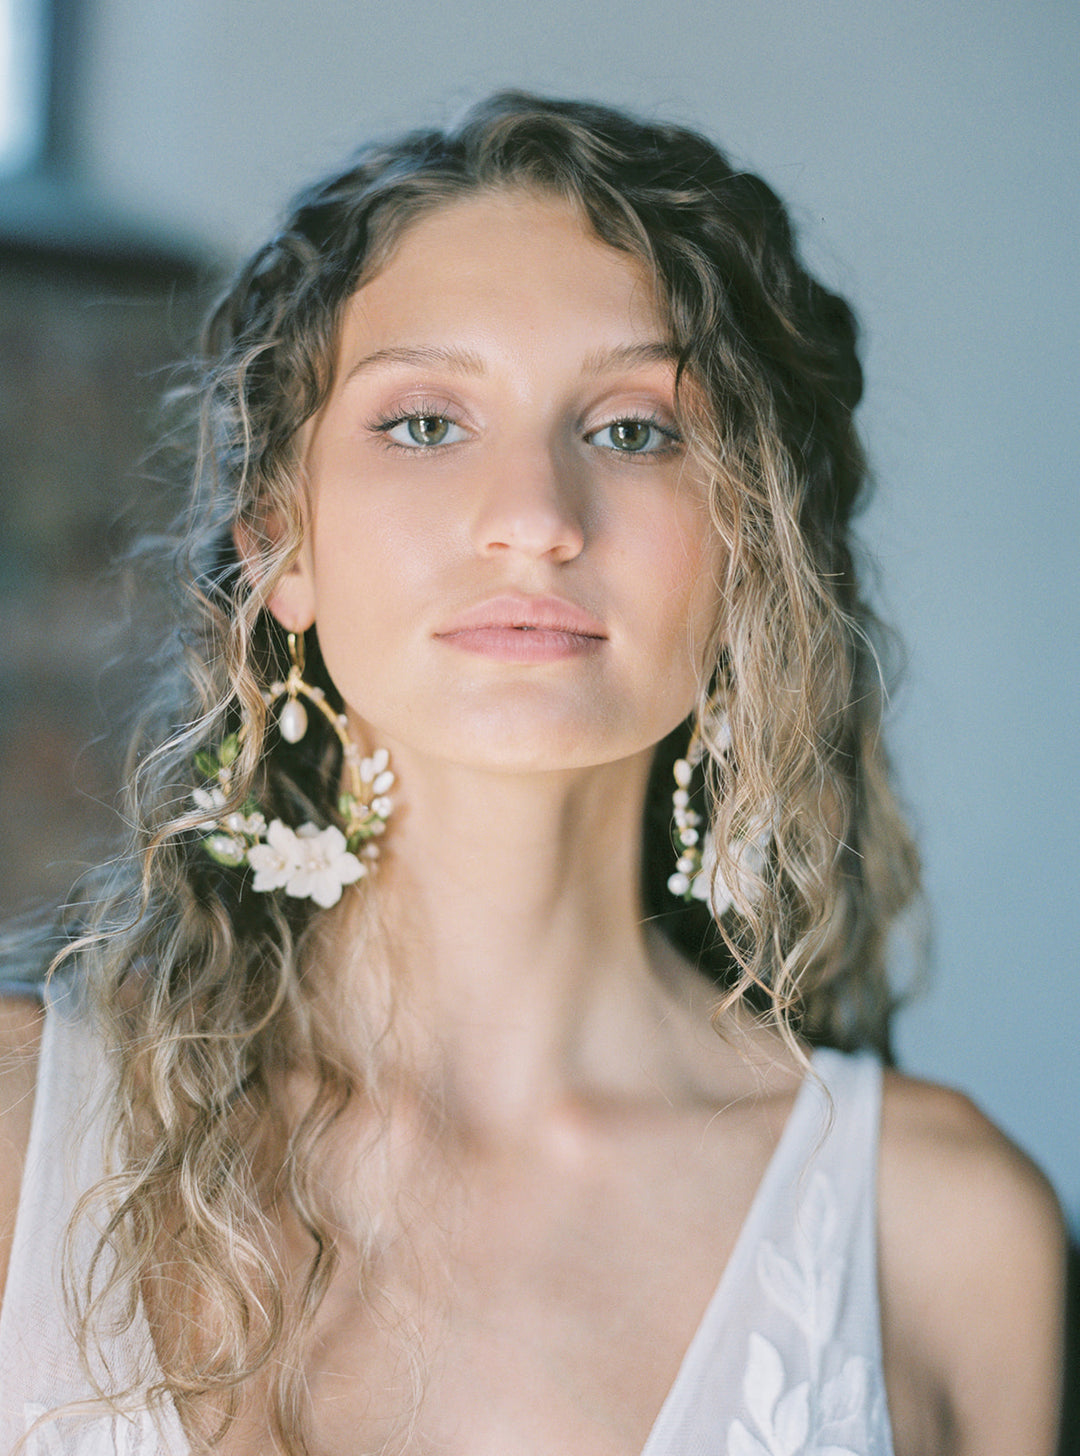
(226, 849)
(721, 737)
(372, 767)
(275, 861)
(750, 858)
(308, 862)
(210, 800)
(322, 865)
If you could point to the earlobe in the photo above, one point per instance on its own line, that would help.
(292, 601)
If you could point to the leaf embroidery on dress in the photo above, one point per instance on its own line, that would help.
(815, 1416)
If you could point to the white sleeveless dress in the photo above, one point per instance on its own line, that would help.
(786, 1362)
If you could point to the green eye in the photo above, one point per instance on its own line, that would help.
(427, 429)
(631, 434)
(634, 437)
(423, 432)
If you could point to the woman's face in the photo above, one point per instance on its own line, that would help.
(508, 553)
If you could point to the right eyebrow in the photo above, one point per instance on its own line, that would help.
(460, 361)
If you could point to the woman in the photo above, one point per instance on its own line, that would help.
(520, 522)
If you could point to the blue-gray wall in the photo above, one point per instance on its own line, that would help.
(930, 149)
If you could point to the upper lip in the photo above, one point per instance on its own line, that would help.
(544, 614)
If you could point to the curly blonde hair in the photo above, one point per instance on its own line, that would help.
(201, 985)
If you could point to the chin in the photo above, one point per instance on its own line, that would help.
(516, 739)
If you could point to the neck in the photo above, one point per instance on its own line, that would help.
(514, 926)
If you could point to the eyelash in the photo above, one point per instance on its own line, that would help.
(431, 409)
(424, 409)
(671, 436)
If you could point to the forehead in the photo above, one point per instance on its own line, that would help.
(507, 259)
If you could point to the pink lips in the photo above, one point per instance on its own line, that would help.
(524, 629)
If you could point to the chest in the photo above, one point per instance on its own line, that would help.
(539, 1310)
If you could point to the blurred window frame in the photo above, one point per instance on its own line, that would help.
(40, 42)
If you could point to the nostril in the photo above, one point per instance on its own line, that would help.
(531, 529)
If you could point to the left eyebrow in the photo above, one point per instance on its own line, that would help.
(625, 356)
(461, 361)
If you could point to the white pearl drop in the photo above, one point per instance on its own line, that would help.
(292, 721)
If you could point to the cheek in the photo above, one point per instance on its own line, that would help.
(685, 562)
(354, 569)
(377, 561)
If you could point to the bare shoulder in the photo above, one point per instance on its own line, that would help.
(22, 1019)
(21, 1022)
(972, 1273)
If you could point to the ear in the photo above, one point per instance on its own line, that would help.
(292, 601)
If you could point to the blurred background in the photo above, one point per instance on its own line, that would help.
(929, 151)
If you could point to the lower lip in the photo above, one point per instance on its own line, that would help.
(516, 644)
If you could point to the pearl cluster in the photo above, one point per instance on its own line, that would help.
(688, 865)
(697, 876)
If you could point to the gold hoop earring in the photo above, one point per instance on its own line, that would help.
(306, 862)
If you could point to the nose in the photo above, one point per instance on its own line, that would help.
(532, 504)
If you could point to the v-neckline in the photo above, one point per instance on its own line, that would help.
(701, 1342)
(703, 1339)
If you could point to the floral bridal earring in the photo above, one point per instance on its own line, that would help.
(696, 876)
(306, 862)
